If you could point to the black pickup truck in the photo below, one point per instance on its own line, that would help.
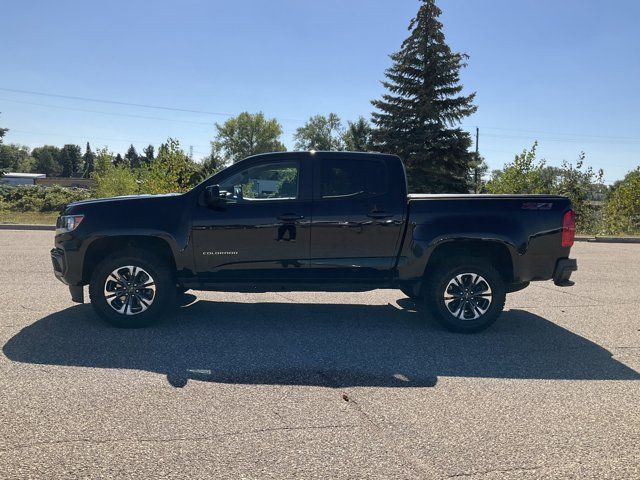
(313, 221)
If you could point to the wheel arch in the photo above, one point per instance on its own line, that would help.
(104, 246)
(492, 251)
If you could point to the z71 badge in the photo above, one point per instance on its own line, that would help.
(537, 205)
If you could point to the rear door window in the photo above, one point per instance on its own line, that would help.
(345, 178)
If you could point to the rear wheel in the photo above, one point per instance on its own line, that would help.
(465, 297)
(131, 289)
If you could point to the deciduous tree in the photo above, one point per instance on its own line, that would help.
(212, 164)
(523, 175)
(16, 158)
(71, 160)
(248, 134)
(320, 133)
(622, 210)
(357, 136)
(171, 171)
(47, 160)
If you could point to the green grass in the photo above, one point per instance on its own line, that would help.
(8, 216)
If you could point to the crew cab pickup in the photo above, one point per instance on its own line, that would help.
(313, 221)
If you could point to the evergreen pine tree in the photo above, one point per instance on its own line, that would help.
(3, 132)
(419, 116)
(132, 157)
(120, 162)
(89, 161)
(148, 152)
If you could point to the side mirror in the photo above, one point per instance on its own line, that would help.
(212, 195)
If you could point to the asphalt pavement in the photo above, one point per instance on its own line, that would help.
(321, 385)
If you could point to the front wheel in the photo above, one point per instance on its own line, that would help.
(131, 289)
(466, 297)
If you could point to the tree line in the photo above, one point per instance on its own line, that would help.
(418, 117)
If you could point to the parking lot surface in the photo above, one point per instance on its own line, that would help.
(321, 385)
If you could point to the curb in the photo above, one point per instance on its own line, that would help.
(609, 239)
(20, 226)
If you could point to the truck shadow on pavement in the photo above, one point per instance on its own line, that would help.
(332, 345)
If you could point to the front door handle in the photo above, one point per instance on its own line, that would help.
(290, 217)
(379, 214)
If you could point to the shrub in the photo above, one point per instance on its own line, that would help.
(528, 175)
(115, 181)
(523, 175)
(35, 198)
(622, 210)
(171, 171)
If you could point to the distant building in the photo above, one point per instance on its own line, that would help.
(16, 179)
(21, 178)
(66, 182)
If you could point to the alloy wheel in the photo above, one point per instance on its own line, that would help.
(467, 296)
(129, 290)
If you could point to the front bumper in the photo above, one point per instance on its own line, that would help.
(562, 273)
(60, 268)
(59, 261)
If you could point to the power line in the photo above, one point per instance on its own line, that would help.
(191, 122)
(557, 133)
(208, 124)
(129, 104)
(227, 114)
(585, 140)
(116, 102)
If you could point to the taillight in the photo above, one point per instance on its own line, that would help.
(568, 228)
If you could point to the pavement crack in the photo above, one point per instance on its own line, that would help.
(173, 439)
(285, 297)
(497, 470)
(570, 294)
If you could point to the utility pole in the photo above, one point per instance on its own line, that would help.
(475, 175)
(191, 152)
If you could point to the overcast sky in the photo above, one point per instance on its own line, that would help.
(565, 72)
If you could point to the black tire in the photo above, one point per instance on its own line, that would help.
(516, 287)
(143, 306)
(465, 308)
(408, 291)
(181, 290)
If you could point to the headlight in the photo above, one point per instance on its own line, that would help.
(68, 223)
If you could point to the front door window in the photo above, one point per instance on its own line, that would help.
(275, 181)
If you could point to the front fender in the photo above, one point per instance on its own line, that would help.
(76, 248)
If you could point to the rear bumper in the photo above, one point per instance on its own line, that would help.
(562, 273)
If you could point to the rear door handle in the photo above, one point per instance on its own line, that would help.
(378, 214)
(290, 217)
